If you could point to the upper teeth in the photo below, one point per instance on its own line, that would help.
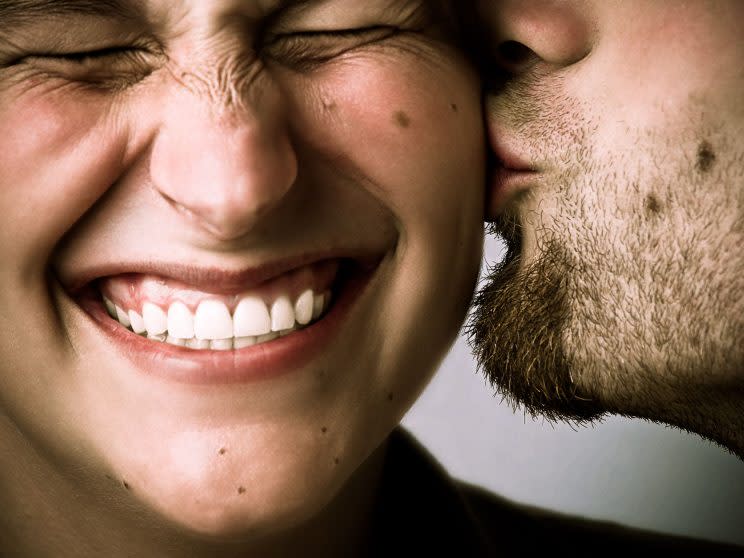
(212, 325)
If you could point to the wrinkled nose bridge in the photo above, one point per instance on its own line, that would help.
(223, 156)
(229, 80)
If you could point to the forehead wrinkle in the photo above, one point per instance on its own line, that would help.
(14, 12)
(206, 19)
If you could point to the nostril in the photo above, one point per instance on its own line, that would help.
(515, 57)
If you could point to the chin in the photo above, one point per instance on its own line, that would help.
(251, 483)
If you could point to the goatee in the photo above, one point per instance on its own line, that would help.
(516, 330)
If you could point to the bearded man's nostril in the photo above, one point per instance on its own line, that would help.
(515, 57)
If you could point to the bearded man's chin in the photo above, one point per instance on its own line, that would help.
(516, 330)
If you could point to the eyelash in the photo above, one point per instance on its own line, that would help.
(115, 67)
(297, 48)
(337, 33)
(81, 57)
(302, 51)
(84, 56)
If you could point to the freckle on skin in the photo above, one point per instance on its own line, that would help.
(336, 461)
(453, 106)
(706, 157)
(324, 430)
(390, 396)
(241, 489)
(222, 451)
(402, 119)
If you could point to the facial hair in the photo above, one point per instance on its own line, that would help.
(516, 330)
(623, 286)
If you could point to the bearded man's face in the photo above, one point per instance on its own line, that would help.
(620, 192)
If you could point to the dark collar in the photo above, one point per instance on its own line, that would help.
(420, 510)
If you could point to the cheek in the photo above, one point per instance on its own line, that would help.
(415, 134)
(414, 139)
(412, 132)
(648, 73)
(57, 157)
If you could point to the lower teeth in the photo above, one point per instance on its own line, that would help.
(220, 344)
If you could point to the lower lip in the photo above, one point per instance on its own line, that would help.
(507, 184)
(266, 361)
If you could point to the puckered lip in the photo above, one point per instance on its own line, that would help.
(512, 173)
(507, 151)
(218, 280)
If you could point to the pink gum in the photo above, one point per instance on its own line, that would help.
(131, 291)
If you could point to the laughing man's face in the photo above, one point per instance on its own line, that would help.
(281, 206)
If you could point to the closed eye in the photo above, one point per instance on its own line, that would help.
(308, 48)
(91, 55)
(117, 66)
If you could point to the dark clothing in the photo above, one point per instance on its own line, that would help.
(423, 512)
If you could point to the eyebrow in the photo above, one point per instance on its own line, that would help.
(284, 7)
(15, 12)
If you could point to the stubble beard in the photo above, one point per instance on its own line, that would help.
(631, 298)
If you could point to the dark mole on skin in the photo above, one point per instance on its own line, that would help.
(706, 158)
(390, 396)
(453, 106)
(222, 451)
(402, 119)
(652, 205)
(336, 461)
(241, 489)
(324, 430)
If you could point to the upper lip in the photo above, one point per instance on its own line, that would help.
(217, 280)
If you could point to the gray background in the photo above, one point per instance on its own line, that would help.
(629, 471)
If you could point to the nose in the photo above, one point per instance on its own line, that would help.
(522, 33)
(222, 164)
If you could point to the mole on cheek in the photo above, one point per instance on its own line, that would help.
(652, 205)
(706, 157)
(401, 119)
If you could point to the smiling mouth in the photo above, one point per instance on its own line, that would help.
(207, 326)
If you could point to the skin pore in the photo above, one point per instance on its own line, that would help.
(221, 140)
(623, 289)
